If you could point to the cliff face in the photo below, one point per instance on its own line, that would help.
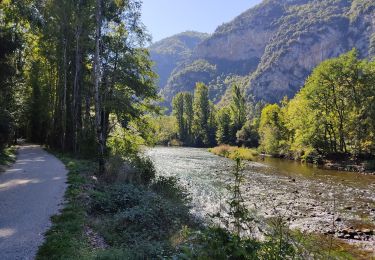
(309, 34)
(276, 45)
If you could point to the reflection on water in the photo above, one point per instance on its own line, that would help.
(303, 191)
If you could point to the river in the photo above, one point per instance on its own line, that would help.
(309, 198)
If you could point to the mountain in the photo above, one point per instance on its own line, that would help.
(272, 48)
(172, 51)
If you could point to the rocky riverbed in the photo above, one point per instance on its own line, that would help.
(331, 203)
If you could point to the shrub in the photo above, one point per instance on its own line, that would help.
(218, 243)
(232, 152)
(5, 128)
(141, 220)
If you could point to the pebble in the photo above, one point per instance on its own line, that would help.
(367, 231)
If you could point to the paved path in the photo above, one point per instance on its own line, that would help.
(30, 193)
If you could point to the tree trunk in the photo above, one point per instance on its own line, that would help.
(98, 107)
(76, 86)
(63, 106)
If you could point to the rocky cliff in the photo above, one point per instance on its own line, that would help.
(275, 45)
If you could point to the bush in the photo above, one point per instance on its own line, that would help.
(248, 135)
(141, 220)
(136, 169)
(218, 243)
(5, 128)
(233, 151)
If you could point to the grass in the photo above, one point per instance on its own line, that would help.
(136, 221)
(233, 152)
(7, 156)
(66, 238)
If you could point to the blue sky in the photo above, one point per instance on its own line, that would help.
(164, 18)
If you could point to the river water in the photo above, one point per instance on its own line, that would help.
(309, 198)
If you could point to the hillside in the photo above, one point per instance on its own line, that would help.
(172, 51)
(274, 45)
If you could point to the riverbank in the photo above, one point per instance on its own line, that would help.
(310, 199)
(366, 167)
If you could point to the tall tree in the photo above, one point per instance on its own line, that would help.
(189, 116)
(272, 130)
(178, 112)
(224, 133)
(201, 114)
(238, 109)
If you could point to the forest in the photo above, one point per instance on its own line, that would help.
(74, 73)
(332, 116)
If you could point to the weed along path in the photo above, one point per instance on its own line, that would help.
(30, 193)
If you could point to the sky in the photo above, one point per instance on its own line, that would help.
(164, 18)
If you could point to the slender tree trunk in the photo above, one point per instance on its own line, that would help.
(98, 107)
(63, 105)
(76, 86)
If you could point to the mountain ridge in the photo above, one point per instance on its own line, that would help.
(276, 45)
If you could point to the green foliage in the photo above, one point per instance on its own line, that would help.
(46, 73)
(185, 80)
(200, 124)
(6, 128)
(238, 108)
(224, 126)
(217, 243)
(234, 152)
(7, 156)
(10, 45)
(272, 130)
(248, 135)
(184, 114)
(201, 108)
(332, 113)
(141, 220)
(172, 51)
(165, 129)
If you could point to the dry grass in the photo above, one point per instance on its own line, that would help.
(233, 152)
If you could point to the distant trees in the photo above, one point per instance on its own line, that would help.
(178, 112)
(194, 115)
(238, 109)
(183, 111)
(201, 114)
(333, 112)
(224, 127)
(248, 135)
(201, 124)
(272, 129)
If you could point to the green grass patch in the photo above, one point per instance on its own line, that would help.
(8, 156)
(66, 238)
(233, 152)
